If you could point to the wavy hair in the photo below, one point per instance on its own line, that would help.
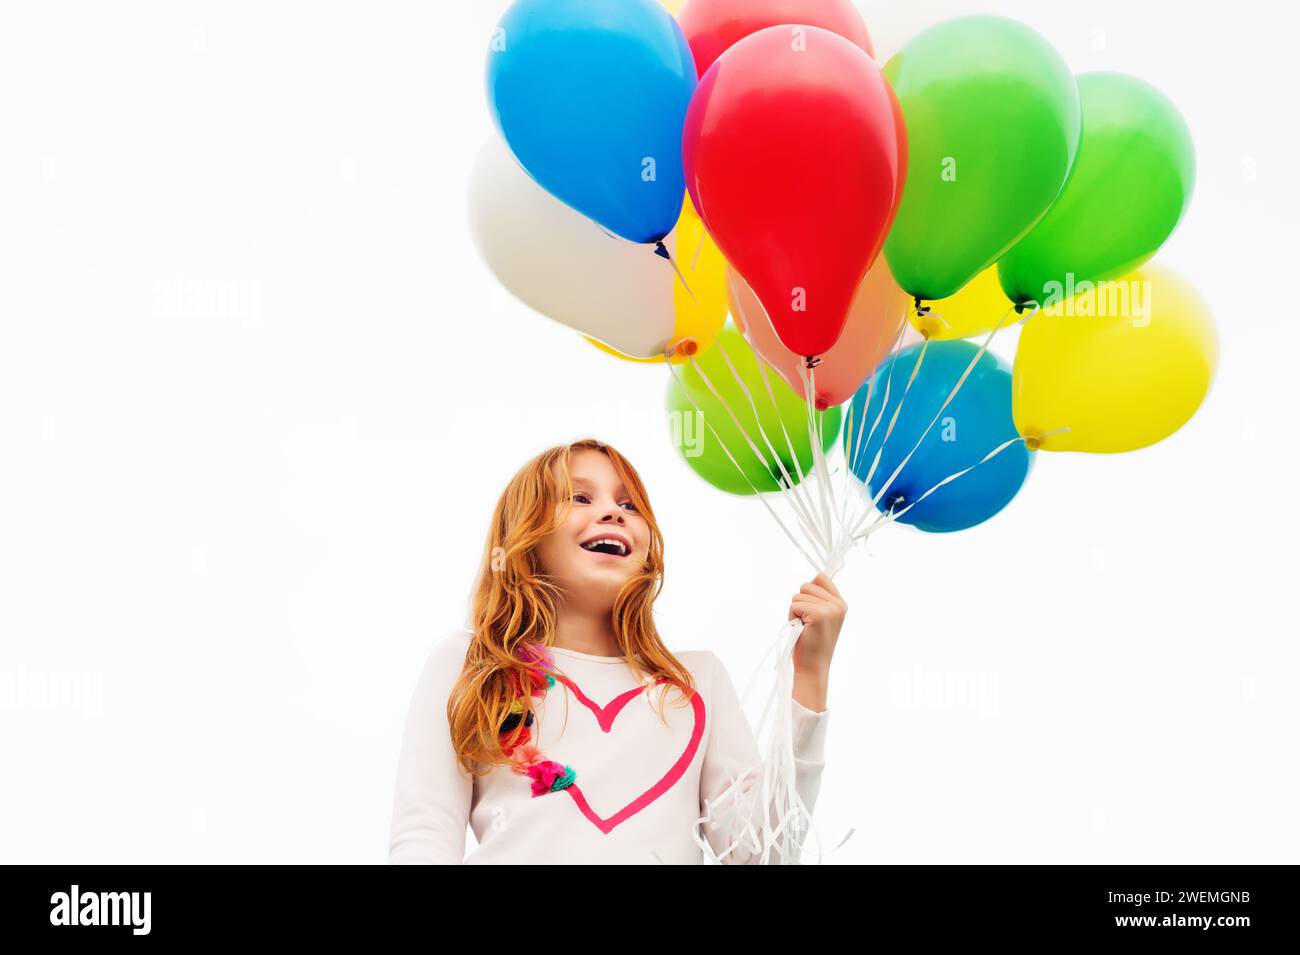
(515, 606)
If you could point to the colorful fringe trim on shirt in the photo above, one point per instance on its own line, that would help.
(547, 775)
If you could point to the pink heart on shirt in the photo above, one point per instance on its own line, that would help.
(605, 716)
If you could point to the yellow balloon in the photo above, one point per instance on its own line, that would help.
(974, 309)
(1121, 364)
(700, 311)
(697, 322)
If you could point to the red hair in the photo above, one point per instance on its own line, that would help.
(515, 606)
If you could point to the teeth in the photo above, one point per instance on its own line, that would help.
(622, 548)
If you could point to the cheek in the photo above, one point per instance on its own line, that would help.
(553, 553)
(643, 537)
(555, 547)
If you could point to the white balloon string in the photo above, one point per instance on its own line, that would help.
(992, 454)
(930, 313)
(790, 483)
(776, 410)
(673, 262)
(761, 816)
(726, 406)
(819, 459)
(806, 521)
(801, 488)
(893, 420)
(854, 448)
(952, 394)
(821, 466)
(730, 457)
(883, 518)
(889, 378)
(699, 247)
(884, 404)
(845, 479)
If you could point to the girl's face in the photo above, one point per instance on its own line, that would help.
(603, 542)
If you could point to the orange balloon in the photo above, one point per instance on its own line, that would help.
(879, 309)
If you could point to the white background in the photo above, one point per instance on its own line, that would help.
(258, 396)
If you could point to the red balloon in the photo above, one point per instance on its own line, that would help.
(792, 155)
(711, 26)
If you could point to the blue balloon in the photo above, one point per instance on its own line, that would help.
(975, 422)
(591, 96)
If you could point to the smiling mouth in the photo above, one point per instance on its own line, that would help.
(606, 545)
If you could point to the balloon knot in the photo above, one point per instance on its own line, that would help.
(661, 250)
(811, 362)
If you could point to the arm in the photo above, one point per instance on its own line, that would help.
(433, 794)
(732, 773)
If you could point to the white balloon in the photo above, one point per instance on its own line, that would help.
(562, 264)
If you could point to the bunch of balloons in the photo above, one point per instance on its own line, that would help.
(661, 164)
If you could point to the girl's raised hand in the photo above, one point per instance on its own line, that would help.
(821, 608)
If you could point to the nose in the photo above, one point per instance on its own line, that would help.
(616, 514)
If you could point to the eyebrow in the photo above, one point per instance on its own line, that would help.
(583, 479)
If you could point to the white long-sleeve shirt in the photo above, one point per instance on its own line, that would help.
(640, 786)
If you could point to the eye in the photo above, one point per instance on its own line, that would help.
(630, 506)
(581, 497)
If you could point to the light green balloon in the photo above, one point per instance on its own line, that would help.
(1130, 184)
(992, 115)
(704, 451)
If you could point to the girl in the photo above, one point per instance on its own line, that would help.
(558, 726)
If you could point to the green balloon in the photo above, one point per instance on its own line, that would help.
(1129, 187)
(992, 116)
(704, 451)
